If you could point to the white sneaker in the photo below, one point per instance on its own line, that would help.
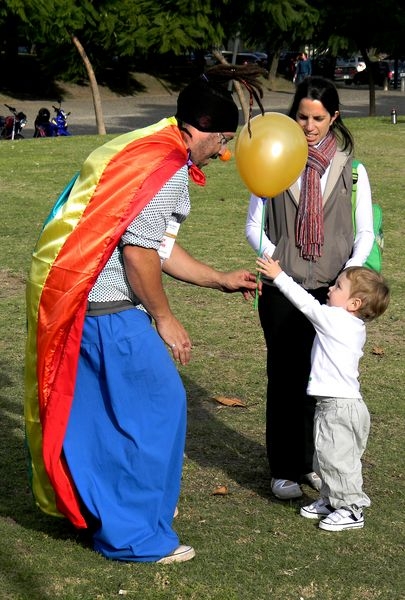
(284, 489)
(317, 510)
(181, 554)
(341, 519)
(313, 480)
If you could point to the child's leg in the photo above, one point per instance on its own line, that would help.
(341, 430)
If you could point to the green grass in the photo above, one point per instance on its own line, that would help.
(249, 545)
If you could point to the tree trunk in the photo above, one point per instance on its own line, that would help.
(93, 86)
(371, 108)
(371, 83)
(273, 69)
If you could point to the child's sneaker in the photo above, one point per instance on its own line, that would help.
(317, 510)
(341, 519)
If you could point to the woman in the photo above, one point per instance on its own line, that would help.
(309, 229)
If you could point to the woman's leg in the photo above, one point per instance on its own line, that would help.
(289, 337)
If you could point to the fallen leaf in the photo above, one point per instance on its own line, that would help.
(377, 351)
(220, 490)
(229, 401)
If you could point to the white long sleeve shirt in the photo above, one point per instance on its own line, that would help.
(338, 344)
(364, 221)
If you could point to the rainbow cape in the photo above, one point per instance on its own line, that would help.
(115, 183)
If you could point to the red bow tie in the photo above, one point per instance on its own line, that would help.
(196, 174)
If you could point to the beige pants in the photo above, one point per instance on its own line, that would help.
(341, 429)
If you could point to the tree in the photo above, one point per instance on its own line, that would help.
(361, 26)
(128, 28)
(93, 85)
(164, 25)
(270, 24)
(120, 28)
(67, 21)
(55, 23)
(123, 28)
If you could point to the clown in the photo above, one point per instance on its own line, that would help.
(105, 407)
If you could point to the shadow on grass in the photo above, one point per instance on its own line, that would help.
(17, 504)
(211, 443)
(21, 575)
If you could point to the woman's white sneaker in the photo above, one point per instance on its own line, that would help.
(284, 489)
(317, 510)
(341, 519)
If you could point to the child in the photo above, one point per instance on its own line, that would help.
(342, 420)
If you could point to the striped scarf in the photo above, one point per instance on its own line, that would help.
(309, 234)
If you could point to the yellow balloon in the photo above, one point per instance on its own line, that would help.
(273, 157)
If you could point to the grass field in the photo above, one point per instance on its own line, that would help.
(249, 545)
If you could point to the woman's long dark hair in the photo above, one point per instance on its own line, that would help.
(319, 88)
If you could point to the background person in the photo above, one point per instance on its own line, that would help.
(342, 420)
(309, 229)
(42, 124)
(303, 68)
(105, 407)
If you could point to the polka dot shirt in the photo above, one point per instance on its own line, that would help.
(172, 202)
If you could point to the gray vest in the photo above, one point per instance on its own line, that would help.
(281, 214)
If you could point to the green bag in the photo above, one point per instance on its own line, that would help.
(374, 260)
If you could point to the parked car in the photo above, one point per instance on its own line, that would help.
(381, 72)
(210, 60)
(242, 58)
(263, 59)
(323, 65)
(347, 68)
(287, 62)
(392, 79)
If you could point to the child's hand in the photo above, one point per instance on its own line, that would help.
(268, 267)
